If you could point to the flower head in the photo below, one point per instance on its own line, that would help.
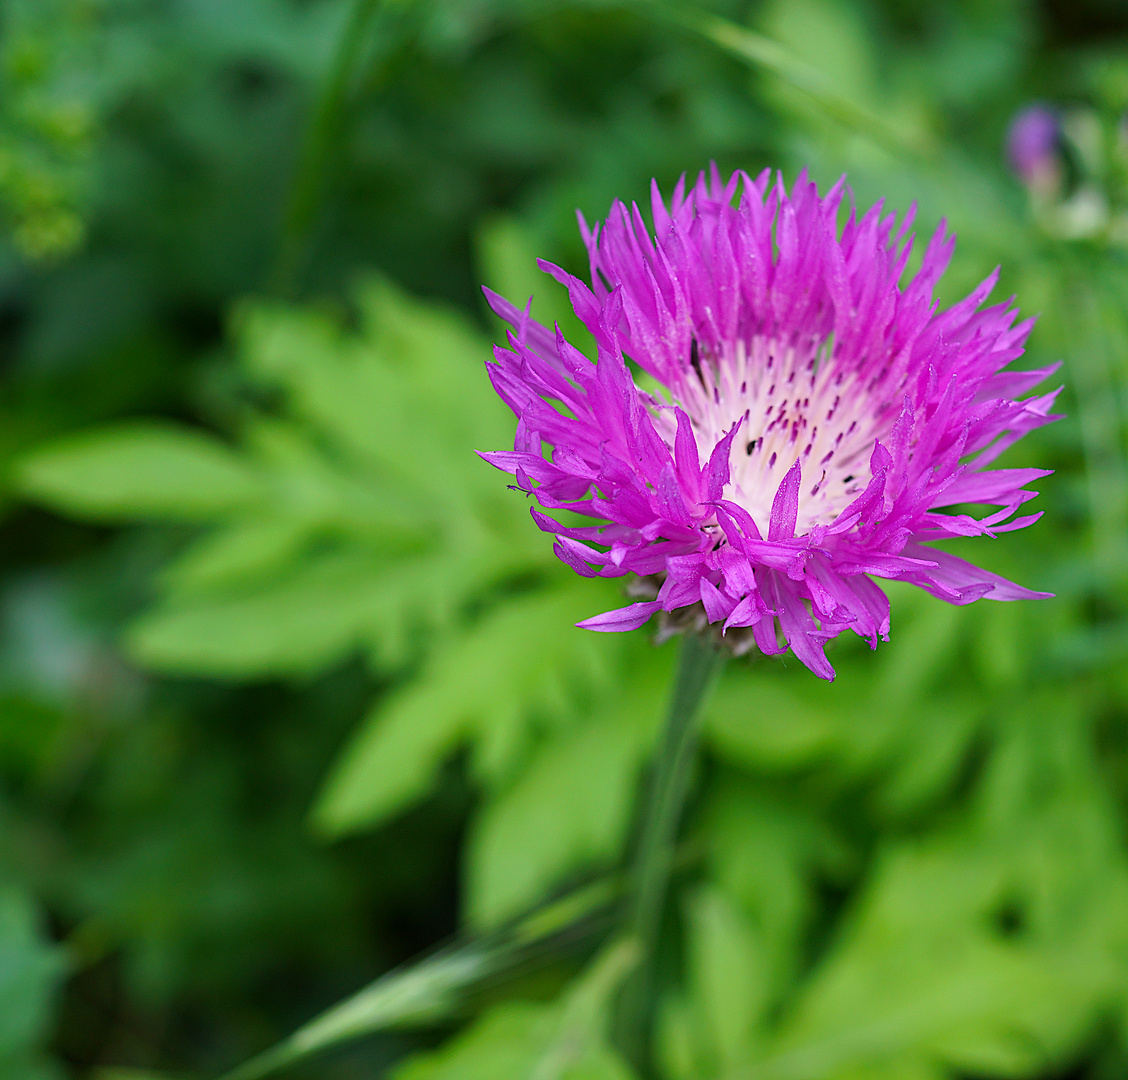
(772, 421)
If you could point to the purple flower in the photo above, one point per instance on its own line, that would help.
(1033, 144)
(772, 421)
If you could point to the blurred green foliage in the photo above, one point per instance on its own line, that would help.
(50, 101)
(289, 688)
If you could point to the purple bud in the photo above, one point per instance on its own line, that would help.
(1033, 141)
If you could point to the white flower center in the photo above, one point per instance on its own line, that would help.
(800, 406)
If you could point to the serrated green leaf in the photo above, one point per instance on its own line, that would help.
(950, 988)
(316, 615)
(426, 360)
(479, 689)
(140, 472)
(359, 519)
(312, 619)
(571, 804)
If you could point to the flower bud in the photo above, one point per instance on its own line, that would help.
(1034, 149)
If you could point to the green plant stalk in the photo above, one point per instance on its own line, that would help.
(415, 994)
(321, 137)
(429, 989)
(699, 663)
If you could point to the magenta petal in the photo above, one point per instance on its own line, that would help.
(785, 506)
(625, 618)
(997, 486)
(717, 606)
(959, 575)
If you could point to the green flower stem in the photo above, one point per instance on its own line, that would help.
(698, 666)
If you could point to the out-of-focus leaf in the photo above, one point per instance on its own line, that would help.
(325, 607)
(765, 856)
(358, 520)
(893, 719)
(526, 656)
(831, 35)
(893, 988)
(523, 1041)
(729, 972)
(48, 120)
(128, 1074)
(30, 971)
(802, 75)
(315, 617)
(141, 472)
(571, 804)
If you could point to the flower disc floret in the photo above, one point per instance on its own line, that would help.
(772, 422)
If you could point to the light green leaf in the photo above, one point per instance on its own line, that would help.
(828, 35)
(948, 989)
(524, 1041)
(300, 624)
(246, 551)
(408, 395)
(570, 806)
(761, 720)
(728, 965)
(894, 720)
(677, 1039)
(765, 853)
(502, 1044)
(140, 472)
(527, 654)
(313, 616)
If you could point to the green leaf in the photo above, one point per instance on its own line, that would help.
(311, 619)
(761, 720)
(315, 615)
(527, 654)
(765, 853)
(894, 721)
(524, 1041)
(728, 964)
(30, 971)
(409, 394)
(356, 518)
(570, 806)
(949, 988)
(827, 35)
(247, 551)
(140, 472)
